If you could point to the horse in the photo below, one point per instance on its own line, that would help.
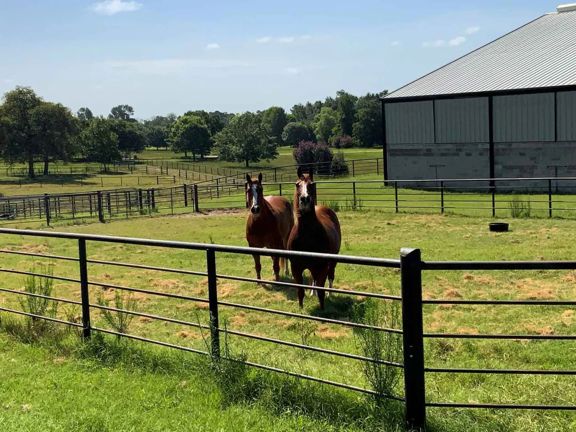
(317, 229)
(269, 223)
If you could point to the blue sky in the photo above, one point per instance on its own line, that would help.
(164, 56)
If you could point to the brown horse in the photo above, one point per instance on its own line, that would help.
(316, 230)
(269, 223)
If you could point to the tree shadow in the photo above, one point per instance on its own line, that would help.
(341, 307)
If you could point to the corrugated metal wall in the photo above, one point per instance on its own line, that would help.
(462, 120)
(566, 116)
(524, 118)
(410, 123)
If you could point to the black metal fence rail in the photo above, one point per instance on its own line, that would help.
(412, 300)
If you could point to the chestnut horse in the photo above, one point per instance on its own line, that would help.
(317, 229)
(269, 223)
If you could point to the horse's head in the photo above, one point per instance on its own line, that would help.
(305, 195)
(254, 193)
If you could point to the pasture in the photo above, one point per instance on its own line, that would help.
(366, 233)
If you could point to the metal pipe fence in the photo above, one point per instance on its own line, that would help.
(508, 197)
(415, 307)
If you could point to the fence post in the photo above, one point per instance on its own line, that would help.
(109, 204)
(549, 198)
(86, 328)
(213, 302)
(396, 195)
(153, 198)
(100, 207)
(185, 188)
(47, 208)
(280, 189)
(353, 169)
(140, 201)
(413, 340)
(493, 192)
(353, 195)
(195, 198)
(442, 197)
(217, 187)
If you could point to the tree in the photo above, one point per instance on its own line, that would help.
(131, 138)
(367, 130)
(318, 155)
(54, 128)
(84, 115)
(346, 107)
(122, 112)
(244, 139)
(213, 120)
(327, 125)
(190, 134)
(157, 129)
(19, 143)
(295, 132)
(100, 142)
(274, 120)
(306, 113)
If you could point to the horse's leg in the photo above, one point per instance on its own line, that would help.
(257, 266)
(320, 280)
(298, 279)
(276, 267)
(331, 271)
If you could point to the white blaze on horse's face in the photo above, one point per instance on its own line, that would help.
(255, 208)
(305, 201)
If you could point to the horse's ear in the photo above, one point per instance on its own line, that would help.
(260, 178)
(248, 179)
(299, 172)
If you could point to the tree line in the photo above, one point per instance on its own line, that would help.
(34, 130)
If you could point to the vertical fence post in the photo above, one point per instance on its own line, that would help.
(195, 198)
(493, 192)
(442, 197)
(213, 302)
(280, 189)
(413, 340)
(549, 197)
(100, 207)
(47, 208)
(396, 195)
(353, 195)
(185, 190)
(353, 169)
(86, 328)
(217, 187)
(140, 201)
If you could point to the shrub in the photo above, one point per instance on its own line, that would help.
(119, 321)
(519, 208)
(343, 141)
(339, 166)
(34, 304)
(315, 155)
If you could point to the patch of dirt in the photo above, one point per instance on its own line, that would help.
(467, 330)
(570, 277)
(452, 293)
(239, 320)
(188, 335)
(32, 248)
(531, 289)
(544, 331)
(479, 278)
(145, 319)
(567, 317)
(326, 332)
(166, 284)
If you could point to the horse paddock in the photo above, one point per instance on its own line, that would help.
(364, 233)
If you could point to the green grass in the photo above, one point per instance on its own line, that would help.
(367, 233)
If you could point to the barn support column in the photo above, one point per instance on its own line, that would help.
(491, 140)
(384, 144)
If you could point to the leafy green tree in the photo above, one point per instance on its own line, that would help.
(327, 125)
(122, 112)
(346, 107)
(367, 130)
(189, 133)
(157, 130)
(213, 120)
(84, 115)
(19, 143)
(100, 142)
(54, 129)
(296, 132)
(274, 120)
(245, 140)
(131, 138)
(305, 113)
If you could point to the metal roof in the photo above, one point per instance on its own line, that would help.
(539, 54)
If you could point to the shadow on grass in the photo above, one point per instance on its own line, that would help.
(338, 307)
(291, 293)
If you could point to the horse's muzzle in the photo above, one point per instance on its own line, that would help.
(305, 200)
(255, 209)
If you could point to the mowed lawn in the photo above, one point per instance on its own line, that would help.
(369, 233)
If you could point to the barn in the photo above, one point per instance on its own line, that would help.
(507, 109)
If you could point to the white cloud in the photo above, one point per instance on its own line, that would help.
(395, 43)
(113, 7)
(458, 40)
(212, 46)
(434, 44)
(264, 40)
(286, 39)
(292, 71)
(283, 39)
(472, 30)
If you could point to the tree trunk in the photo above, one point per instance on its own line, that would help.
(31, 173)
(185, 154)
(46, 172)
(246, 163)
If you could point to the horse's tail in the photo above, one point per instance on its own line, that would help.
(284, 265)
